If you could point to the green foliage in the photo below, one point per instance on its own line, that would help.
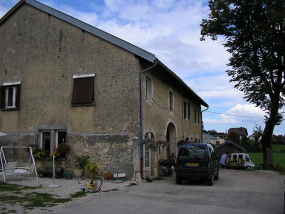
(253, 146)
(149, 144)
(244, 142)
(92, 167)
(81, 161)
(257, 132)
(279, 167)
(41, 154)
(255, 37)
(63, 149)
(233, 136)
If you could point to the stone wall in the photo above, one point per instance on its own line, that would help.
(112, 152)
(44, 52)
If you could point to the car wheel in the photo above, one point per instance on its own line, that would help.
(178, 180)
(211, 181)
(217, 175)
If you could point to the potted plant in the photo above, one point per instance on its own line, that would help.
(80, 163)
(92, 168)
(63, 149)
(108, 176)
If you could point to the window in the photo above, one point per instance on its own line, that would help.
(193, 152)
(51, 138)
(146, 157)
(197, 117)
(83, 90)
(10, 95)
(60, 137)
(186, 110)
(149, 89)
(45, 141)
(171, 103)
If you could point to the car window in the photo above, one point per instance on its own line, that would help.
(211, 151)
(193, 152)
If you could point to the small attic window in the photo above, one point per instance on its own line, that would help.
(83, 90)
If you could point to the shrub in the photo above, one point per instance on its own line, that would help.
(63, 149)
(92, 167)
(81, 161)
(279, 167)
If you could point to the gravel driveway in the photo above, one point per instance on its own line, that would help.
(236, 192)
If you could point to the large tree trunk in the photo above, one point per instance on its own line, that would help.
(268, 162)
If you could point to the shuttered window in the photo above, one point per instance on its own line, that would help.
(171, 101)
(83, 91)
(197, 116)
(149, 89)
(10, 96)
(186, 110)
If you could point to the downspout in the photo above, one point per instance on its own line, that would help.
(201, 124)
(141, 110)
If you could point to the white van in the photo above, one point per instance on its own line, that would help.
(239, 160)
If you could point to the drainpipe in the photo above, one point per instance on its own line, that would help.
(141, 109)
(201, 122)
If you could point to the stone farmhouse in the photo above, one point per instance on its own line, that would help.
(63, 80)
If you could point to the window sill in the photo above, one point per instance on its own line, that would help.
(10, 109)
(81, 105)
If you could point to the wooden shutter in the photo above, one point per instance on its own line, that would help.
(83, 91)
(18, 95)
(2, 97)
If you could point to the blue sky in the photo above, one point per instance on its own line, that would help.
(170, 29)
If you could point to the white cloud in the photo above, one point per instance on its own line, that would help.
(240, 113)
(247, 110)
(170, 29)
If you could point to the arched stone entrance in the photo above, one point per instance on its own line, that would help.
(171, 138)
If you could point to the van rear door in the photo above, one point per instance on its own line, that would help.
(192, 159)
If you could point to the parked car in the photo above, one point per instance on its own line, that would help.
(239, 161)
(197, 161)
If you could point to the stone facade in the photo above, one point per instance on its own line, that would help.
(43, 53)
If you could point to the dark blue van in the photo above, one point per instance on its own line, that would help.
(197, 161)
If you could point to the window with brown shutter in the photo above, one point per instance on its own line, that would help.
(83, 91)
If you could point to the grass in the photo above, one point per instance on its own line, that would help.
(257, 158)
(278, 147)
(29, 199)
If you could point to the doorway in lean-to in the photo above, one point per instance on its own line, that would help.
(171, 149)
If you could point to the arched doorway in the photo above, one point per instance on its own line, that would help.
(171, 138)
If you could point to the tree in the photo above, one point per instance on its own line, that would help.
(254, 36)
(244, 142)
(257, 132)
(233, 136)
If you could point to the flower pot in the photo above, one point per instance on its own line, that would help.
(108, 176)
(78, 173)
(91, 175)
